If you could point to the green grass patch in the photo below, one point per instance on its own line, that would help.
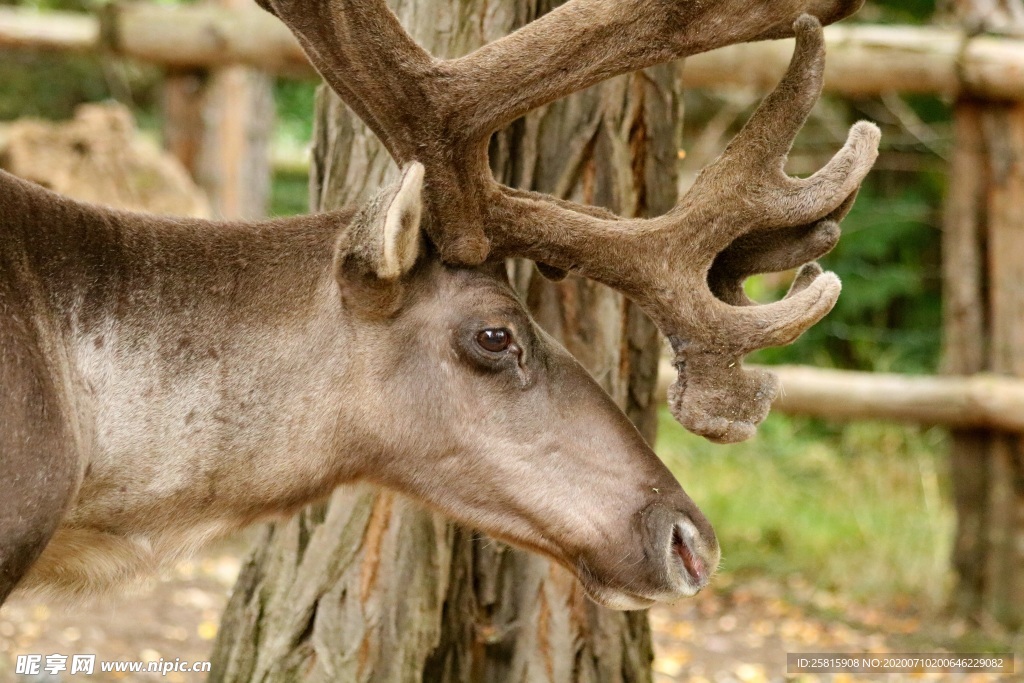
(864, 511)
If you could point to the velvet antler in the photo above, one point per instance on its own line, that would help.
(742, 217)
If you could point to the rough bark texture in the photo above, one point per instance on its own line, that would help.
(372, 588)
(984, 268)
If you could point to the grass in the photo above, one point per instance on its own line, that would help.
(864, 511)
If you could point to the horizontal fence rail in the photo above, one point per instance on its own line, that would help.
(973, 402)
(184, 37)
(863, 60)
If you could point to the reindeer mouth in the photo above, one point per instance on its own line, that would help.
(685, 568)
(696, 570)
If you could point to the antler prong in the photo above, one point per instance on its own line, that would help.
(781, 322)
(827, 190)
(369, 60)
(742, 217)
(807, 274)
(768, 252)
(599, 39)
(769, 132)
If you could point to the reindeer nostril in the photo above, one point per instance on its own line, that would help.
(694, 565)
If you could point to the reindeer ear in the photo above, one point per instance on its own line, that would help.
(402, 225)
(380, 245)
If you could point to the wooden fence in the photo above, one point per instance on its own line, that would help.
(863, 61)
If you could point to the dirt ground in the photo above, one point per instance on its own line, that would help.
(734, 633)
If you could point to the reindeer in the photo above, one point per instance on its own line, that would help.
(166, 380)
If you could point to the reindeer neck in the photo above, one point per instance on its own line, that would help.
(207, 351)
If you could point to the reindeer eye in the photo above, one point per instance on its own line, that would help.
(494, 340)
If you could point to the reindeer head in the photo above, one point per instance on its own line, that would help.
(547, 461)
(467, 405)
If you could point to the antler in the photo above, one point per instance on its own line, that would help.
(742, 217)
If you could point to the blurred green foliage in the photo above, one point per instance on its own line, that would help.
(48, 86)
(897, 11)
(864, 511)
(78, 5)
(289, 194)
(293, 130)
(294, 101)
(64, 5)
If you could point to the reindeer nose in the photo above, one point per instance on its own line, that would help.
(687, 546)
(683, 542)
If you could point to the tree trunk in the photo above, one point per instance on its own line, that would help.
(370, 587)
(984, 325)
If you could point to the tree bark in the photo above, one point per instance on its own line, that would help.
(370, 587)
(983, 245)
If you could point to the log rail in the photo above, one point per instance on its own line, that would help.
(977, 401)
(864, 60)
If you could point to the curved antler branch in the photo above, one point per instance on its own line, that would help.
(742, 217)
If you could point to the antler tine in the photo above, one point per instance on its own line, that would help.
(769, 133)
(780, 323)
(583, 42)
(768, 252)
(759, 151)
(773, 251)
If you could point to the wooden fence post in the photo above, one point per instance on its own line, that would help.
(983, 252)
(219, 125)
